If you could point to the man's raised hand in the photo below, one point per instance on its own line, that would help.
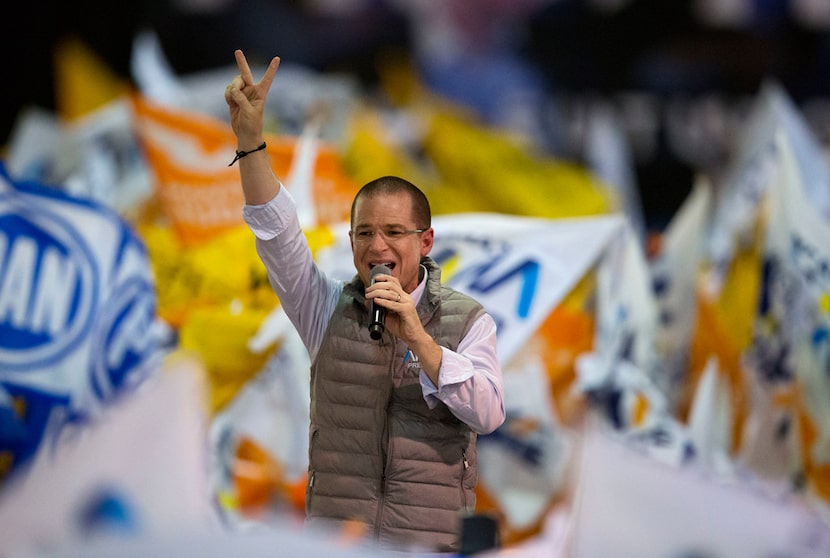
(246, 101)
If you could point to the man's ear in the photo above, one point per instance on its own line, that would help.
(427, 240)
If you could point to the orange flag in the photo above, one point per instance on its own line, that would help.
(197, 190)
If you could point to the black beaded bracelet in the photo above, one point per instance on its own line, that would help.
(240, 154)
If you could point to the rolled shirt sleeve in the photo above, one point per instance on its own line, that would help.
(470, 379)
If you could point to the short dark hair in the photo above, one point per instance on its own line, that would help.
(396, 185)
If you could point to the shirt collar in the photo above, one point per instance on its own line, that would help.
(419, 290)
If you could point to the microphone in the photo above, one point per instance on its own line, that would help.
(376, 326)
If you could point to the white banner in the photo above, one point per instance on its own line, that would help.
(519, 268)
(630, 505)
(139, 472)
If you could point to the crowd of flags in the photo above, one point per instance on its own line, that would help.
(645, 393)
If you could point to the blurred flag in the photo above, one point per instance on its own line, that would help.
(747, 178)
(83, 81)
(271, 414)
(138, 473)
(94, 156)
(790, 352)
(675, 272)
(608, 155)
(732, 272)
(620, 377)
(628, 505)
(77, 314)
(711, 420)
(201, 196)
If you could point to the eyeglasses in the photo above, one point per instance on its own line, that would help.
(366, 236)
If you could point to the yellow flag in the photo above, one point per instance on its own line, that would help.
(83, 82)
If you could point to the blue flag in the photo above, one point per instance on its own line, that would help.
(77, 310)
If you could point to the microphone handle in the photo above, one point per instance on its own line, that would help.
(376, 327)
(378, 313)
(376, 331)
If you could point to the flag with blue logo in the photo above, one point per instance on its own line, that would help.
(77, 314)
(787, 432)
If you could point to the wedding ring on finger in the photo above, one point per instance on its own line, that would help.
(399, 297)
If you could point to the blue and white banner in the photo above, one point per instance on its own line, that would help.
(757, 159)
(790, 352)
(518, 268)
(77, 309)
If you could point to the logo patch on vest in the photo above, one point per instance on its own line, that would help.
(411, 360)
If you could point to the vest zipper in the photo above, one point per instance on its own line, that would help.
(465, 465)
(382, 495)
(389, 449)
(381, 504)
(311, 475)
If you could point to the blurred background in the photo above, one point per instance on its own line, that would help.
(679, 71)
(654, 171)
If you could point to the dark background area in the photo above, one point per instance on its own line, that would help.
(576, 48)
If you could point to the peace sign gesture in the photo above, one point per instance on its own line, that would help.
(246, 101)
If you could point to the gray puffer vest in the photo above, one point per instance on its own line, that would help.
(377, 454)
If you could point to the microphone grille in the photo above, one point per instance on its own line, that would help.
(377, 270)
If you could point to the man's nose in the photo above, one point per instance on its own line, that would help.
(379, 241)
